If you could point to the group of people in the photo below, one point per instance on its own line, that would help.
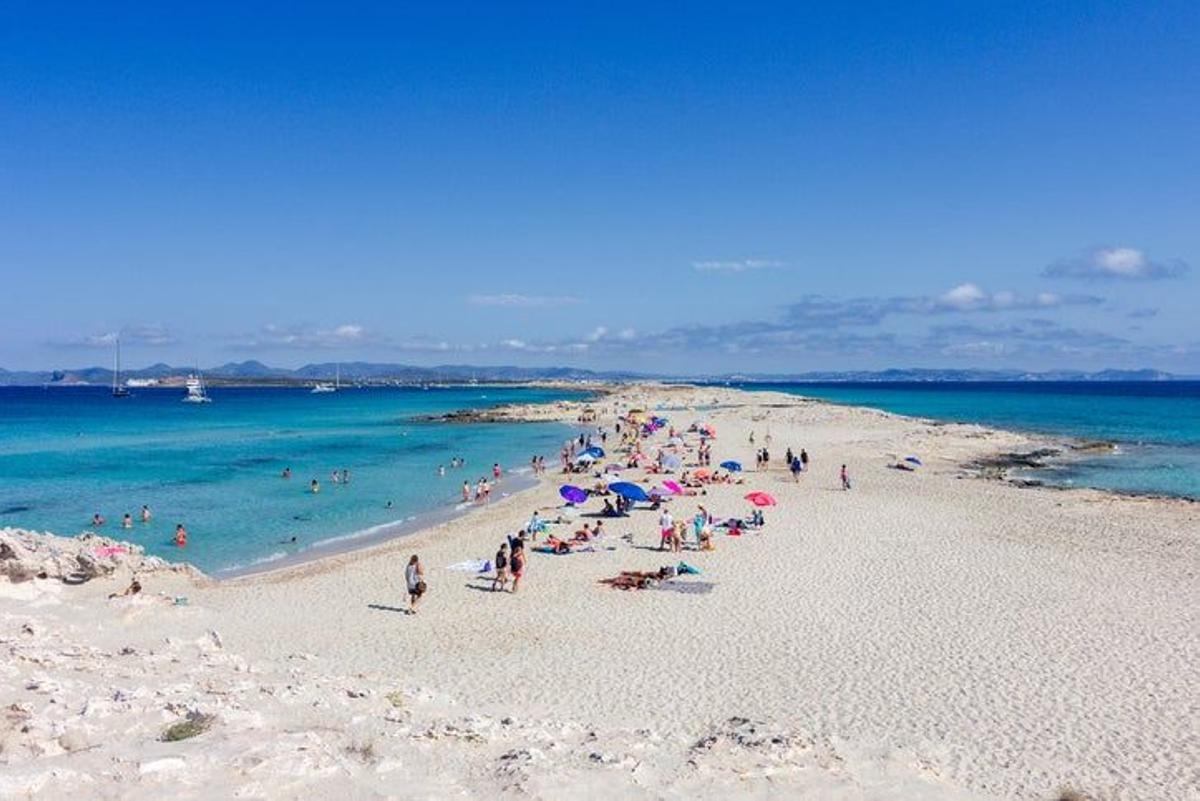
(481, 494)
(797, 463)
(181, 535)
(510, 563)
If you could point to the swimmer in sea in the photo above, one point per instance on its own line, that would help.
(314, 487)
(127, 521)
(97, 519)
(145, 513)
(181, 536)
(287, 472)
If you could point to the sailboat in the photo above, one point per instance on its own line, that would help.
(324, 386)
(118, 391)
(195, 389)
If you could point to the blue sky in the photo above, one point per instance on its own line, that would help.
(766, 187)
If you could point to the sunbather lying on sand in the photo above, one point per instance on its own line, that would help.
(638, 579)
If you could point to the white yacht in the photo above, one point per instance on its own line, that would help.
(324, 386)
(195, 389)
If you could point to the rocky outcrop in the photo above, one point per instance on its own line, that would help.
(27, 555)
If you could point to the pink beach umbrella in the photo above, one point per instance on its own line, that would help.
(671, 486)
(761, 499)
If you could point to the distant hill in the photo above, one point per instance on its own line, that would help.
(252, 372)
(934, 375)
(255, 372)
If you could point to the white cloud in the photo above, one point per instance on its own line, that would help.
(306, 337)
(963, 297)
(1121, 263)
(738, 266)
(145, 335)
(522, 301)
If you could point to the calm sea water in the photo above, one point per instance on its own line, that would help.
(66, 453)
(1156, 425)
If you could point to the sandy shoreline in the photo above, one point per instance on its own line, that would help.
(925, 635)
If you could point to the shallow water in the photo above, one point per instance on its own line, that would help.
(66, 453)
(1156, 425)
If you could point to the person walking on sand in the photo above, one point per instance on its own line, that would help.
(501, 579)
(803, 459)
(517, 564)
(666, 529)
(414, 580)
(845, 476)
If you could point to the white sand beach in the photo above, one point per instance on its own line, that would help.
(924, 635)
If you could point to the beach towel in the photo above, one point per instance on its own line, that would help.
(472, 566)
(684, 569)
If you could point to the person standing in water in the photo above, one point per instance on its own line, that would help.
(414, 580)
(145, 513)
(181, 536)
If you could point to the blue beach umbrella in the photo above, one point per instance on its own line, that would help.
(732, 466)
(628, 490)
(595, 451)
(572, 494)
(913, 460)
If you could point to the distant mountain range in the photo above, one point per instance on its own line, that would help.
(912, 375)
(255, 372)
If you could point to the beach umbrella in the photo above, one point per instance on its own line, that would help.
(761, 499)
(672, 462)
(913, 460)
(572, 494)
(585, 458)
(675, 441)
(628, 490)
(702, 473)
(673, 487)
(732, 466)
(595, 451)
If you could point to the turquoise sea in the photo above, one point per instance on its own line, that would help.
(1155, 425)
(67, 453)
